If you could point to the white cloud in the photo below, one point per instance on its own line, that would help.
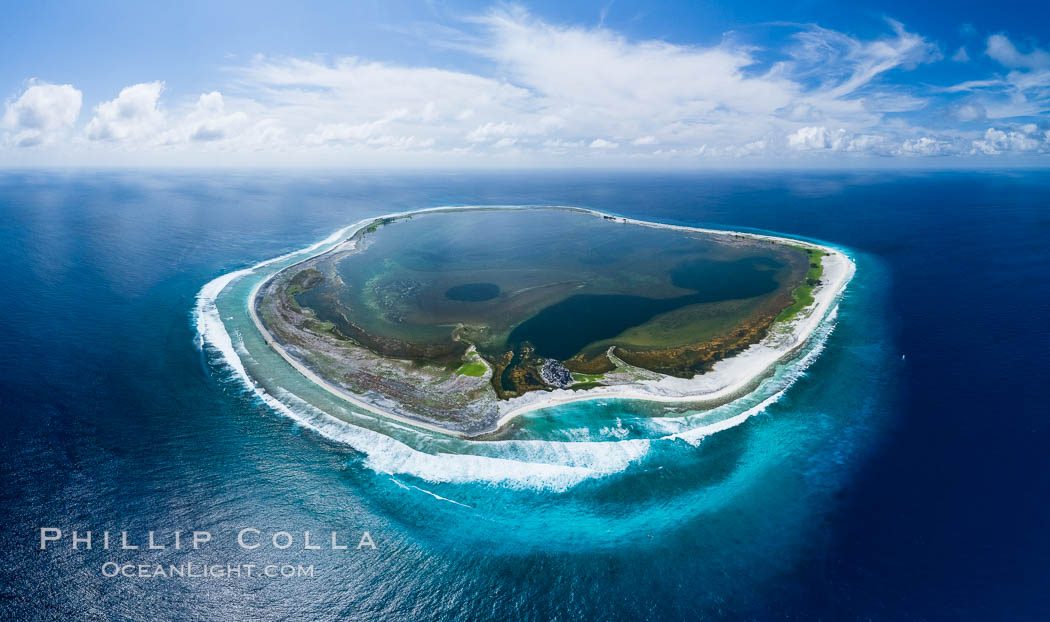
(584, 72)
(603, 84)
(974, 85)
(754, 147)
(1003, 50)
(344, 132)
(1025, 138)
(390, 142)
(925, 146)
(810, 138)
(961, 56)
(360, 132)
(557, 145)
(133, 114)
(971, 112)
(820, 138)
(350, 100)
(573, 92)
(496, 131)
(42, 113)
(866, 143)
(846, 64)
(1022, 94)
(209, 121)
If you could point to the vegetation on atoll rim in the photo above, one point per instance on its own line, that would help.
(586, 378)
(376, 224)
(323, 328)
(476, 369)
(304, 280)
(803, 294)
(583, 386)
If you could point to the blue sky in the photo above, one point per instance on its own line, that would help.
(592, 84)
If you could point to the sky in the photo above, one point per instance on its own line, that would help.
(392, 83)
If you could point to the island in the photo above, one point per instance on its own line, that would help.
(457, 320)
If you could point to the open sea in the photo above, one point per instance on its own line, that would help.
(897, 469)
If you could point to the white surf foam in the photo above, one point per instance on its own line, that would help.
(695, 436)
(425, 491)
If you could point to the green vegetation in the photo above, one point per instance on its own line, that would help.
(385, 221)
(323, 328)
(304, 280)
(583, 386)
(476, 369)
(803, 294)
(587, 377)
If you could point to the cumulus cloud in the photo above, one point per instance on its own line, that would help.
(42, 113)
(820, 138)
(133, 114)
(811, 138)
(209, 120)
(925, 146)
(1023, 139)
(137, 120)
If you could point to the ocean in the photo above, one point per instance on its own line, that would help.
(895, 470)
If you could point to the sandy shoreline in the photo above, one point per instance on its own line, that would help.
(730, 378)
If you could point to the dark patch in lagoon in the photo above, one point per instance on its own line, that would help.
(564, 328)
(473, 292)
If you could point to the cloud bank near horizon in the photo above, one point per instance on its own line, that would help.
(555, 94)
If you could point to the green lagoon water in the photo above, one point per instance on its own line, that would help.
(562, 280)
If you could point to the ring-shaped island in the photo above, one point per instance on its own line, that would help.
(459, 319)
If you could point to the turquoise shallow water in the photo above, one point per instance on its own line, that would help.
(871, 488)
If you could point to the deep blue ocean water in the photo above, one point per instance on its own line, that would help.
(876, 487)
